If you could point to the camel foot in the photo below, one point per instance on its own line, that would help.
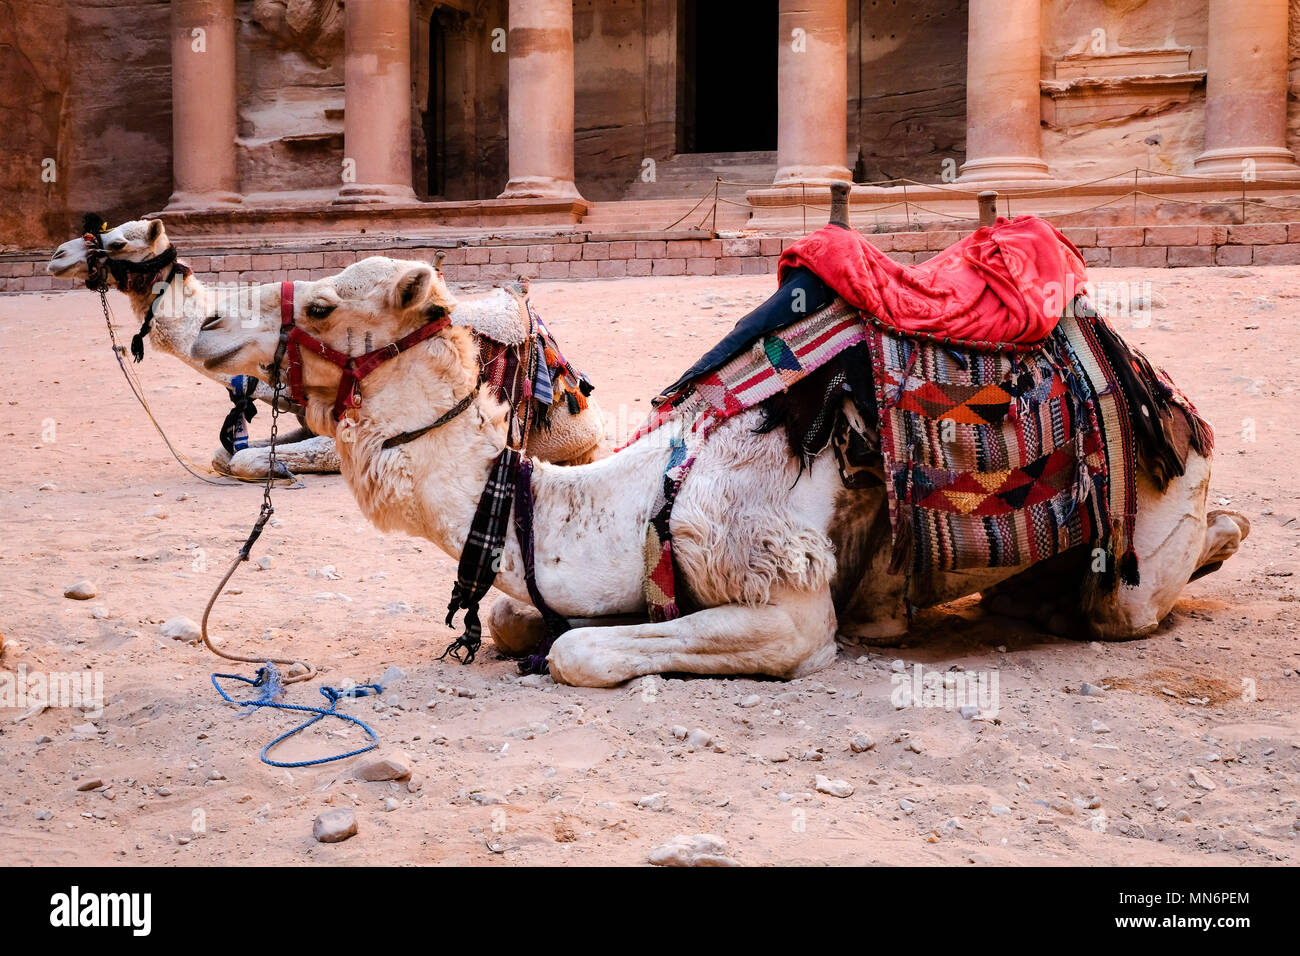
(1224, 532)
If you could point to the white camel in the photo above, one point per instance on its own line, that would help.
(776, 565)
(187, 301)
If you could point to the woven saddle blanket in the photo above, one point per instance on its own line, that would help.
(991, 458)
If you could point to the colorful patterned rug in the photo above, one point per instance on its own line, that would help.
(992, 460)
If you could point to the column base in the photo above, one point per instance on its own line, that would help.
(1003, 169)
(812, 175)
(540, 187)
(193, 202)
(1270, 161)
(357, 194)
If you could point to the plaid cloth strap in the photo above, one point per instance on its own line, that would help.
(481, 558)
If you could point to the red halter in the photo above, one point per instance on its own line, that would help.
(293, 340)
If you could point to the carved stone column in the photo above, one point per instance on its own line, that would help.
(204, 171)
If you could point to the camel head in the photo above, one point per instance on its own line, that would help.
(133, 241)
(368, 305)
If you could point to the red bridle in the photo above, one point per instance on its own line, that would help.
(293, 340)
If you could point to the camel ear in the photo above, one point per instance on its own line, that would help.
(412, 287)
(155, 230)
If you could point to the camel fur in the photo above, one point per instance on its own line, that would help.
(775, 561)
(567, 439)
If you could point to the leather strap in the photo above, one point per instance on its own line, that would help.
(294, 340)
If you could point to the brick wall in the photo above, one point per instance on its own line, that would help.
(581, 256)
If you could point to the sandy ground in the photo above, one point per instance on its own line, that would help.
(510, 772)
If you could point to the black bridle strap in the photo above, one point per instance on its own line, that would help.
(456, 409)
(137, 340)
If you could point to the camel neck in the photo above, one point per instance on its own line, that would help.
(174, 327)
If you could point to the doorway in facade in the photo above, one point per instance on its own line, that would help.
(727, 53)
(435, 112)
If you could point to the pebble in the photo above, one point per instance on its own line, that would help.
(1183, 816)
(335, 826)
(658, 802)
(486, 798)
(907, 806)
(216, 775)
(181, 629)
(383, 768)
(1198, 778)
(94, 783)
(897, 666)
(531, 732)
(99, 612)
(699, 739)
(43, 815)
(157, 511)
(999, 811)
(1099, 728)
(85, 730)
(45, 739)
(83, 590)
(753, 700)
(699, 849)
(1091, 690)
(861, 743)
(265, 562)
(968, 712)
(679, 731)
(836, 788)
(48, 486)
(390, 804)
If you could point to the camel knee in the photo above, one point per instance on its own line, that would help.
(516, 628)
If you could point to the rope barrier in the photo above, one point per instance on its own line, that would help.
(907, 204)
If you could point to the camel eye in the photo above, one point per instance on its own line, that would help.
(319, 310)
(117, 245)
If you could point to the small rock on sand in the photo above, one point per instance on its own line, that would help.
(83, 590)
(836, 788)
(1091, 690)
(181, 629)
(1198, 779)
(335, 826)
(391, 767)
(90, 784)
(699, 849)
(861, 743)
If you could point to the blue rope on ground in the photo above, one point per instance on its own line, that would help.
(268, 678)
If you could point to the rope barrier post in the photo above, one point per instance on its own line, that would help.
(907, 207)
(988, 207)
(840, 204)
(803, 205)
(717, 183)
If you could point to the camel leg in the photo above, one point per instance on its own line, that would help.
(314, 456)
(788, 639)
(1174, 539)
(516, 628)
